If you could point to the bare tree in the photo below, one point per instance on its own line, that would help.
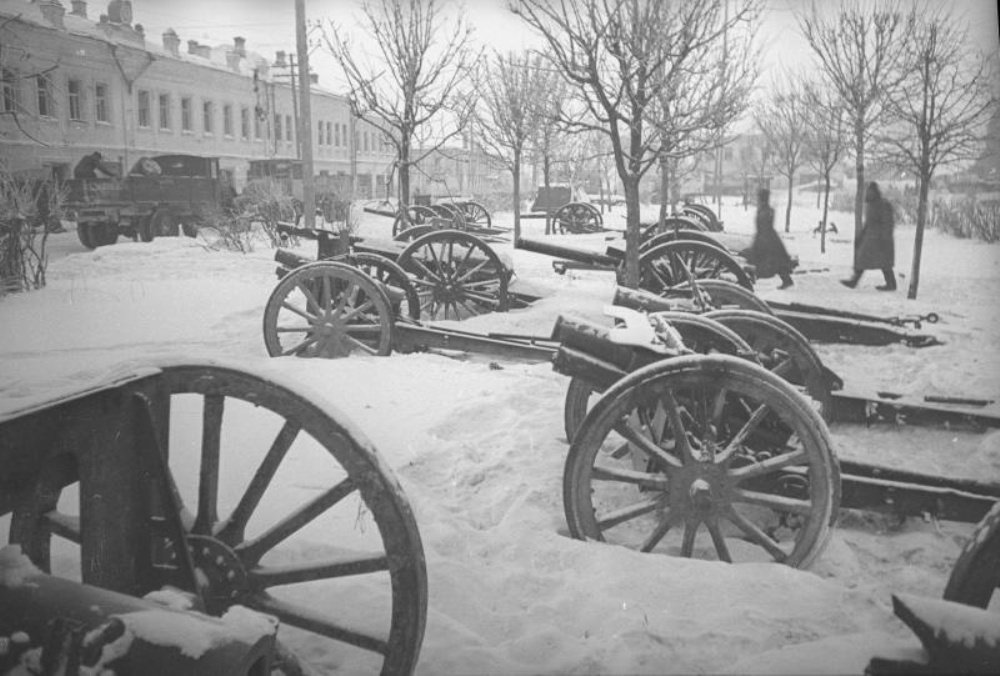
(510, 93)
(940, 114)
(618, 55)
(781, 118)
(700, 102)
(825, 140)
(550, 133)
(862, 53)
(412, 83)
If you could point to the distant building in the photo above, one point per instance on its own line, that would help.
(72, 85)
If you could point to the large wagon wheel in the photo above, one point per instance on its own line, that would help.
(782, 350)
(673, 235)
(705, 214)
(975, 578)
(343, 560)
(414, 231)
(577, 218)
(457, 275)
(718, 294)
(453, 213)
(673, 263)
(402, 294)
(476, 214)
(415, 215)
(671, 224)
(327, 309)
(713, 441)
(699, 333)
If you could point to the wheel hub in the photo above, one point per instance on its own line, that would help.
(220, 571)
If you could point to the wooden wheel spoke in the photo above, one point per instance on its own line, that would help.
(345, 298)
(310, 298)
(208, 479)
(756, 535)
(483, 299)
(234, 527)
(672, 409)
(471, 309)
(318, 623)
(646, 445)
(293, 329)
(490, 284)
(778, 503)
(358, 310)
(690, 533)
(465, 274)
(367, 330)
(262, 577)
(623, 514)
(297, 349)
(302, 313)
(630, 476)
(252, 550)
(721, 549)
(361, 345)
(756, 418)
(430, 277)
(667, 521)
(763, 467)
(783, 368)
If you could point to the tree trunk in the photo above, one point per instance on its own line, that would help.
(859, 180)
(516, 171)
(631, 186)
(918, 237)
(788, 207)
(664, 189)
(404, 175)
(826, 210)
(546, 166)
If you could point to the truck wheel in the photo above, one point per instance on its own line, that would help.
(104, 234)
(189, 228)
(85, 232)
(145, 229)
(164, 224)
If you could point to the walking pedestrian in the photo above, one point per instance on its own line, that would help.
(875, 247)
(767, 252)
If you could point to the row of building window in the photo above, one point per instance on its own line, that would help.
(334, 134)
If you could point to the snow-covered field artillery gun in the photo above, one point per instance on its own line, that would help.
(189, 476)
(565, 211)
(418, 219)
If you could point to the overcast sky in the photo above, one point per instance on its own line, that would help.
(269, 25)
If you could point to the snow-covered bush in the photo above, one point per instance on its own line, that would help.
(28, 208)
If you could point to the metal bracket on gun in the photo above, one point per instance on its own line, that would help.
(641, 330)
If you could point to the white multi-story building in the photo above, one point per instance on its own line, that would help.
(73, 84)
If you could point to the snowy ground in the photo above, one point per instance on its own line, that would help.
(479, 452)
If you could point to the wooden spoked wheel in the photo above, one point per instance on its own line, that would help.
(283, 506)
(674, 235)
(699, 333)
(705, 215)
(975, 578)
(673, 224)
(718, 294)
(781, 350)
(402, 294)
(476, 214)
(414, 215)
(451, 213)
(327, 309)
(577, 218)
(673, 263)
(413, 232)
(704, 456)
(456, 275)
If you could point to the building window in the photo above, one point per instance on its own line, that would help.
(319, 133)
(227, 120)
(329, 134)
(336, 138)
(288, 128)
(277, 127)
(44, 89)
(165, 111)
(9, 98)
(206, 117)
(245, 123)
(142, 108)
(366, 141)
(101, 113)
(186, 123)
(257, 127)
(74, 91)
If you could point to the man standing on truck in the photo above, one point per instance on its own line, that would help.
(93, 166)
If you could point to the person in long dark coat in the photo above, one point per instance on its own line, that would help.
(767, 252)
(876, 249)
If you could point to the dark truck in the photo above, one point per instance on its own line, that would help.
(162, 196)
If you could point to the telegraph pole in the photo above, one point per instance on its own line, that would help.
(305, 126)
